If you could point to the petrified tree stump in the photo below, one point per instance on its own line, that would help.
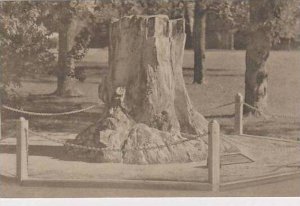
(147, 103)
(145, 57)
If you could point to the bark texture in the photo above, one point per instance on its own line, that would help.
(189, 8)
(257, 53)
(199, 41)
(148, 107)
(146, 55)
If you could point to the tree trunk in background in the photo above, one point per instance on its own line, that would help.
(257, 53)
(199, 41)
(289, 44)
(189, 8)
(66, 81)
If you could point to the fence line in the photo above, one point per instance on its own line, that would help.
(221, 106)
(265, 116)
(238, 122)
(114, 150)
(213, 142)
(214, 150)
(218, 107)
(47, 114)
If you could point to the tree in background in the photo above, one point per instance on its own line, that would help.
(223, 10)
(199, 39)
(24, 43)
(75, 23)
(74, 38)
(288, 26)
(268, 19)
(72, 20)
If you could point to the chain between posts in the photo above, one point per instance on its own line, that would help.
(115, 150)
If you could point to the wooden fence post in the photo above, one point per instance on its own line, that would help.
(214, 155)
(0, 119)
(238, 118)
(22, 150)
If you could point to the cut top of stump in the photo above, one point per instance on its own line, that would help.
(151, 26)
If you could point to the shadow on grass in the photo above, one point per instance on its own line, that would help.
(40, 80)
(201, 167)
(66, 123)
(219, 116)
(57, 152)
(225, 75)
(227, 129)
(209, 69)
(219, 70)
(189, 72)
(271, 132)
(52, 151)
(270, 128)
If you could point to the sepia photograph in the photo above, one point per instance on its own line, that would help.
(150, 98)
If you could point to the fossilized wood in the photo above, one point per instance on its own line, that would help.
(147, 103)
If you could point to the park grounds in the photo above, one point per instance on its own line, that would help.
(224, 79)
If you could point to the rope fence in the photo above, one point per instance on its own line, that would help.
(265, 116)
(220, 106)
(272, 115)
(47, 114)
(239, 113)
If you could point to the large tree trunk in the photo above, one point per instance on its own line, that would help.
(199, 41)
(257, 53)
(147, 102)
(149, 66)
(66, 81)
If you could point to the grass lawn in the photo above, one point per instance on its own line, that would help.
(224, 78)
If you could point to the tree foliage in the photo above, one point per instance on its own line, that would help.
(279, 18)
(280, 21)
(24, 42)
(27, 25)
